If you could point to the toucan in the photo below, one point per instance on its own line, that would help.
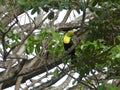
(68, 42)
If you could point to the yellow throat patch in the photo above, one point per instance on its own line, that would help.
(68, 36)
(66, 39)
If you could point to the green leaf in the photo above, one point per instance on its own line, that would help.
(46, 9)
(56, 72)
(66, 4)
(33, 11)
(60, 6)
(21, 2)
(30, 44)
(36, 9)
(51, 15)
(29, 49)
(54, 4)
(55, 35)
(93, 2)
(43, 3)
(100, 13)
(74, 82)
(25, 5)
(31, 38)
(42, 35)
(101, 87)
(112, 87)
(82, 6)
(37, 49)
(65, 60)
(108, 87)
(78, 11)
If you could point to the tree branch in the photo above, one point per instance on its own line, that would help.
(52, 81)
(66, 17)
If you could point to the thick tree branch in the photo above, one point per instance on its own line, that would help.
(52, 81)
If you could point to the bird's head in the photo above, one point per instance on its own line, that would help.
(70, 33)
(68, 36)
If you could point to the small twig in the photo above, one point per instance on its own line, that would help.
(30, 19)
(84, 12)
(11, 49)
(75, 78)
(83, 19)
(5, 54)
(11, 25)
(95, 77)
(25, 38)
(4, 48)
(90, 84)
(62, 86)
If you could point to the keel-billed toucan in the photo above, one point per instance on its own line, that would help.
(68, 42)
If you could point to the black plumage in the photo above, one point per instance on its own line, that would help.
(69, 45)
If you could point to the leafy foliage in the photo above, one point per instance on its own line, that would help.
(100, 49)
(34, 42)
(56, 72)
(46, 4)
(109, 87)
(56, 45)
(2, 2)
(90, 54)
